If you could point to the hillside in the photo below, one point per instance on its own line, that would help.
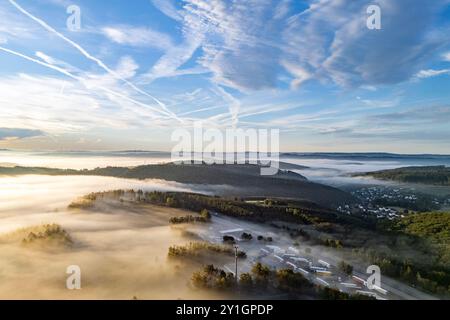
(435, 175)
(245, 180)
(433, 226)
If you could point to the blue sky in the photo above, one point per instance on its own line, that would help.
(135, 71)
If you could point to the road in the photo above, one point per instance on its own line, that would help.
(280, 254)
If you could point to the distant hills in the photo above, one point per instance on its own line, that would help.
(245, 180)
(435, 175)
(363, 156)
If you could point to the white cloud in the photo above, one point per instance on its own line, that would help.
(92, 58)
(282, 9)
(127, 67)
(300, 75)
(446, 56)
(249, 46)
(56, 62)
(106, 87)
(246, 45)
(13, 27)
(331, 40)
(369, 88)
(168, 8)
(236, 41)
(138, 37)
(234, 104)
(240, 40)
(45, 58)
(432, 73)
(174, 58)
(41, 104)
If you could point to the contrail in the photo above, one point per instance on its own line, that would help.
(234, 104)
(70, 75)
(90, 57)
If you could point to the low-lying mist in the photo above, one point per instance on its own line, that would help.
(122, 251)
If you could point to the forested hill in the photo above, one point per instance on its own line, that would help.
(245, 179)
(436, 175)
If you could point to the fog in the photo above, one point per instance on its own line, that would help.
(339, 172)
(122, 251)
(81, 160)
(331, 169)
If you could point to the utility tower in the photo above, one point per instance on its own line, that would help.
(235, 262)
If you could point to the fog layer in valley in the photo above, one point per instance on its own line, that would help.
(122, 251)
(81, 160)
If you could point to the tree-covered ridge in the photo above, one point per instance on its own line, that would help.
(434, 226)
(194, 249)
(436, 175)
(204, 217)
(45, 235)
(196, 172)
(302, 212)
(431, 232)
(246, 179)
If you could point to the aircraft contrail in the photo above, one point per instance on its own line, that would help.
(90, 57)
(80, 79)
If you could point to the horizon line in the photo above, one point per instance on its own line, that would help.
(280, 152)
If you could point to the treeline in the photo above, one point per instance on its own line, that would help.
(85, 202)
(204, 217)
(13, 171)
(238, 208)
(194, 249)
(438, 175)
(422, 203)
(427, 276)
(426, 232)
(434, 226)
(262, 279)
(52, 234)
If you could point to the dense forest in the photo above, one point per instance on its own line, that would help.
(433, 226)
(286, 282)
(194, 249)
(423, 203)
(430, 232)
(436, 175)
(302, 212)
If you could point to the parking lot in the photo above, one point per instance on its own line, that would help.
(318, 266)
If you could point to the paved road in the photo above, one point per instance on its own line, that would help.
(222, 225)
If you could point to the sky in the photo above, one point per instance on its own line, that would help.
(135, 71)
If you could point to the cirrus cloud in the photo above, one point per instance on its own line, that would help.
(137, 37)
